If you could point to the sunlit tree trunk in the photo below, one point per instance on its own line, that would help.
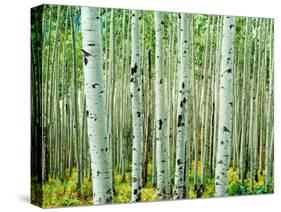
(253, 96)
(95, 105)
(206, 120)
(137, 113)
(76, 107)
(50, 96)
(270, 117)
(122, 140)
(226, 107)
(179, 189)
(160, 117)
(244, 93)
(47, 151)
(112, 73)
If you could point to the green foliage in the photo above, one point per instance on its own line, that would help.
(149, 194)
(236, 187)
(63, 193)
(57, 193)
(123, 190)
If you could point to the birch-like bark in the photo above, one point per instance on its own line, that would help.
(226, 107)
(45, 109)
(253, 96)
(202, 99)
(216, 92)
(170, 105)
(206, 109)
(194, 105)
(160, 117)
(243, 131)
(95, 97)
(270, 116)
(122, 140)
(76, 107)
(137, 114)
(50, 95)
(64, 69)
(179, 189)
(112, 92)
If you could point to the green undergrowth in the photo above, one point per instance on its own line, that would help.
(123, 188)
(235, 188)
(59, 193)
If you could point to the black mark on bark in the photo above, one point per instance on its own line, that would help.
(160, 124)
(134, 69)
(94, 85)
(226, 130)
(180, 121)
(228, 71)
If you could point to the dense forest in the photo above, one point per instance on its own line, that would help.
(132, 106)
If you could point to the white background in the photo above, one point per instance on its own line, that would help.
(15, 103)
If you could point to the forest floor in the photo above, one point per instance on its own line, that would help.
(60, 194)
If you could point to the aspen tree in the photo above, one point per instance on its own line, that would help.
(270, 115)
(206, 89)
(253, 96)
(170, 105)
(50, 96)
(95, 105)
(244, 96)
(45, 109)
(179, 189)
(160, 117)
(123, 68)
(226, 107)
(216, 92)
(195, 142)
(112, 73)
(137, 114)
(76, 107)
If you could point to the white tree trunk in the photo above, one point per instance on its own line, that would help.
(160, 115)
(270, 115)
(226, 107)
(137, 113)
(179, 189)
(94, 91)
(244, 96)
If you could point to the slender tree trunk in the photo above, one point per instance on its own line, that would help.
(270, 117)
(122, 140)
(50, 129)
(205, 122)
(45, 109)
(179, 189)
(160, 117)
(76, 106)
(112, 93)
(137, 113)
(226, 107)
(244, 102)
(95, 97)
